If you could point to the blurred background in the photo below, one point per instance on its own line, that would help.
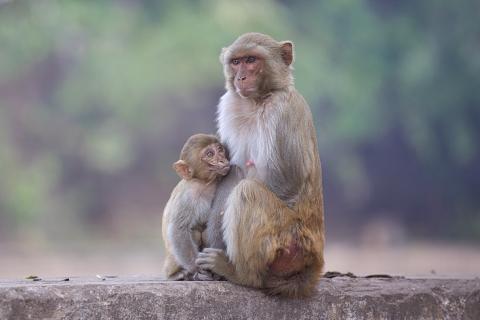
(98, 97)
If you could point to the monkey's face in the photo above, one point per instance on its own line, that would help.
(255, 65)
(215, 159)
(247, 73)
(202, 157)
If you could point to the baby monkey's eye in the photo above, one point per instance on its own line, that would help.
(220, 148)
(210, 153)
(250, 59)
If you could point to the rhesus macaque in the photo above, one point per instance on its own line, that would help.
(203, 161)
(273, 217)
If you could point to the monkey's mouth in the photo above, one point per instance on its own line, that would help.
(223, 170)
(245, 88)
(246, 91)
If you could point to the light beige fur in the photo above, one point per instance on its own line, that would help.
(273, 222)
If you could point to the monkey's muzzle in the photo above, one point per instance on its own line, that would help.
(224, 171)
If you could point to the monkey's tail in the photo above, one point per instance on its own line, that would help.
(298, 285)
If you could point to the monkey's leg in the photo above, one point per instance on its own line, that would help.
(256, 226)
(171, 270)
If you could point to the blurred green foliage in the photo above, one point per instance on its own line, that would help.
(97, 97)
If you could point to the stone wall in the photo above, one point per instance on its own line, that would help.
(141, 298)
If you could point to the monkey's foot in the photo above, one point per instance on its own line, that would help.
(179, 276)
(202, 276)
(205, 275)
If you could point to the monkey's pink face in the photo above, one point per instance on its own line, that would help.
(246, 74)
(215, 157)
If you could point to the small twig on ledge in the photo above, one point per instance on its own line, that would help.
(334, 274)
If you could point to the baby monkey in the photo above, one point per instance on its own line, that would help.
(203, 162)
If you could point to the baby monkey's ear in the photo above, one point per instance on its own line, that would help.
(183, 169)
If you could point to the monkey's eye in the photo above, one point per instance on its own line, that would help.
(251, 59)
(235, 61)
(210, 153)
(220, 148)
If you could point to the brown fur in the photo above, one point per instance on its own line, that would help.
(273, 221)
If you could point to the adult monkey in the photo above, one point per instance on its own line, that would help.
(273, 218)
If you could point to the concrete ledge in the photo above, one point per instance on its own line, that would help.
(140, 298)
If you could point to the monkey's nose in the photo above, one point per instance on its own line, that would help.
(242, 78)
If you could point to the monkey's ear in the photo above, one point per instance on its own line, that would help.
(222, 55)
(287, 52)
(183, 169)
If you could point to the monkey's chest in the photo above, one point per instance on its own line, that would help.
(202, 211)
(202, 207)
(249, 131)
(201, 196)
(251, 143)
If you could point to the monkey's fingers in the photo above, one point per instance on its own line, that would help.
(205, 264)
(206, 260)
(206, 256)
(216, 261)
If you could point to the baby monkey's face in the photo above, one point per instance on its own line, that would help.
(215, 159)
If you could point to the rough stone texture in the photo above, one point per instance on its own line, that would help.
(337, 298)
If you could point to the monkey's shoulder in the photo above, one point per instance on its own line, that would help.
(190, 199)
(282, 105)
(292, 101)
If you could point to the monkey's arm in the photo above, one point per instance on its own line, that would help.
(184, 248)
(180, 235)
(293, 153)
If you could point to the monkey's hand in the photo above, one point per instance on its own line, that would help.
(216, 261)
